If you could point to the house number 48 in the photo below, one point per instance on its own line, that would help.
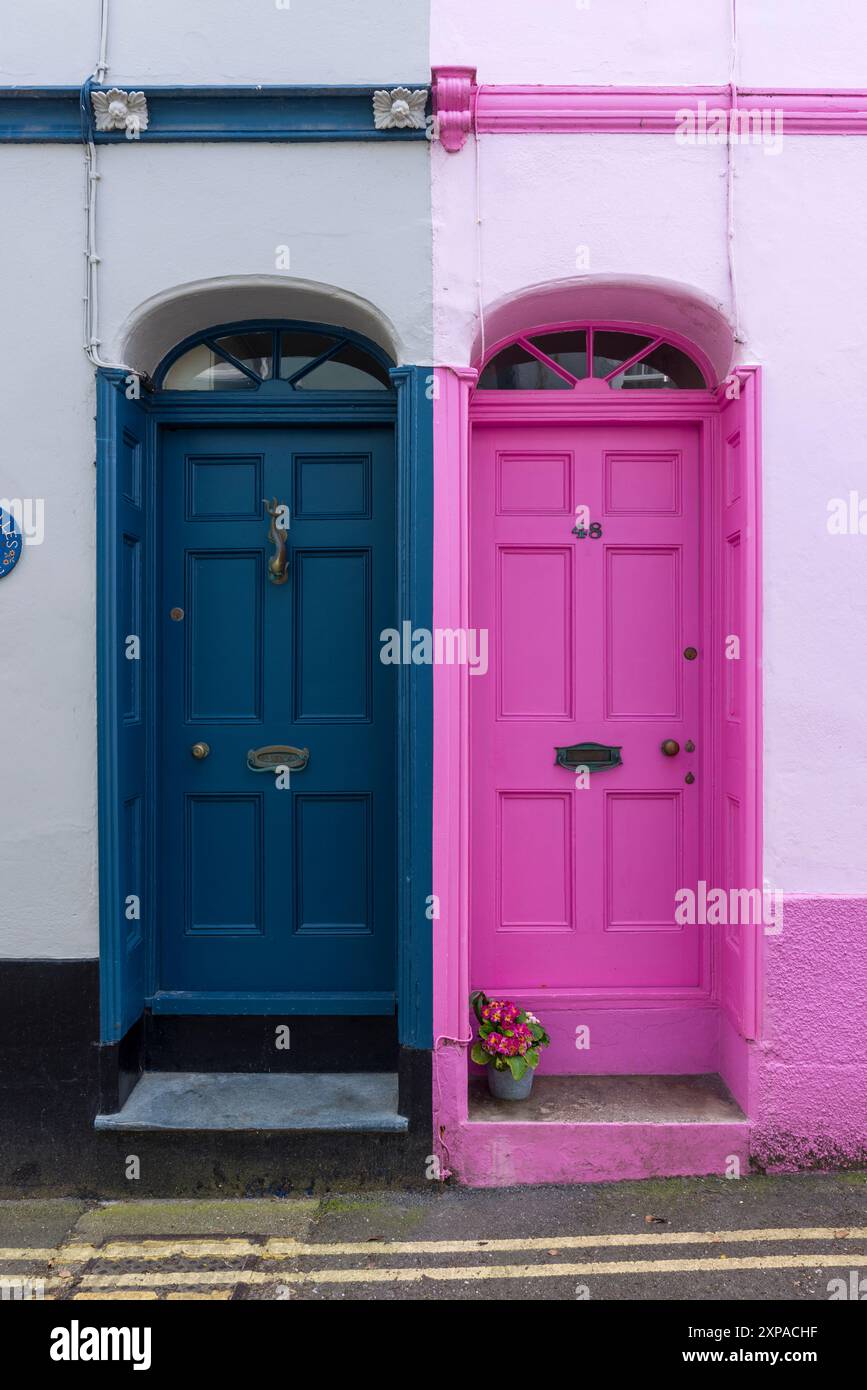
(594, 531)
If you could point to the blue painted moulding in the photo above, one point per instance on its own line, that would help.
(39, 115)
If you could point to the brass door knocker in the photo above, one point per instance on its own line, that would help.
(278, 565)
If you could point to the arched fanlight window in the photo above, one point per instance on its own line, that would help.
(283, 356)
(559, 359)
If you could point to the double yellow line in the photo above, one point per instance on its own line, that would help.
(63, 1268)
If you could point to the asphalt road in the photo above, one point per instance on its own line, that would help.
(754, 1239)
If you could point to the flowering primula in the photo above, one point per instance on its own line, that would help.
(508, 1035)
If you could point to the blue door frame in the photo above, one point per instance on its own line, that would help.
(127, 541)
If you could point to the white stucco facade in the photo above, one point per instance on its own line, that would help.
(186, 229)
(216, 41)
(360, 219)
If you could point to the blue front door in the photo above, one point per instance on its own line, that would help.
(276, 891)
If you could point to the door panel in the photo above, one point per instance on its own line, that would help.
(535, 855)
(332, 664)
(534, 612)
(220, 582)
(642, 590)
(329, 903)
(573, 881)
(225, 891)
(270, 890)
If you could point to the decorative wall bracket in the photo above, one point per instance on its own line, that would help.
(117, 110)
(453, 93)
(400, 109)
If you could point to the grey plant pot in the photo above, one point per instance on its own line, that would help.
(503, 1085)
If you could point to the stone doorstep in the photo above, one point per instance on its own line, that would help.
(599, 1100)
(255, 1101)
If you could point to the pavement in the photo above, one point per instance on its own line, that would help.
(755, 1238)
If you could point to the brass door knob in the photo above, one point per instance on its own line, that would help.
(200, 750)
(671, 747)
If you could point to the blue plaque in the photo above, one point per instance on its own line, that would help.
(10, 543)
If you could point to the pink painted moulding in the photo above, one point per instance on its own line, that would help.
(503, 109)
(649, 110)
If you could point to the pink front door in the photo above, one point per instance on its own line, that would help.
(573, 877)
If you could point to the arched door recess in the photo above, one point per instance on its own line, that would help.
(317, 416)
(622, 419)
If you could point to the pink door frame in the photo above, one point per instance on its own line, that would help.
(456, 408)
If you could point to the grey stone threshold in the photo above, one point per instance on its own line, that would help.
(352, 1101)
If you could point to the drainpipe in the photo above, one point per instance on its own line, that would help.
(91, 178)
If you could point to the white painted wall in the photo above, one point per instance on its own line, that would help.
(47, 672)
(359, 217)
(355, 216)
(237, 41)
(781, 42)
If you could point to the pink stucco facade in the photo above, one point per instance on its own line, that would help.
(810, 1067)
(551, 204)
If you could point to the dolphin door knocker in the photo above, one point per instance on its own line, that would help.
(278, 565)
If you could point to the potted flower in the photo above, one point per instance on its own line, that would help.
(508, 1045)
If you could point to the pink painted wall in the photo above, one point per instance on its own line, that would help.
(528, 210)
(645, 206)
(784, 43)
(810, 1069)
